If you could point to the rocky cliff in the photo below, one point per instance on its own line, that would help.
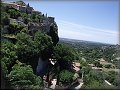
(17, 17)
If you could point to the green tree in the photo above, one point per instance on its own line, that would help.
(22, 77)
(108, 66)
(14, 13)
(66, 76)
(33, 16)
(86, 69)
(4, 69)
(97, 75)
(24, 47)
(110, 76)
(97, 64)
(108, 54)
(93, 80)
(14, 28)
(116, 81)
(94, 84)
(54, 34)
(26, 20)
(83, 63)
(30, 49)
(8, 53)
(43, 44)
(5, 20)
(64, 54)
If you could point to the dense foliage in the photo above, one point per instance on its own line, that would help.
(63, 54)
(8, 53)
(93, 79)
(18, 44)
(14, 28)
(24, 47)
(22, 77)
(43, 44)
(29, 49)
(66, 76)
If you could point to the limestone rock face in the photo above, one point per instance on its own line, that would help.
(48, 26)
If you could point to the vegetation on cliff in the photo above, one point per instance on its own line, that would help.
(22, 46)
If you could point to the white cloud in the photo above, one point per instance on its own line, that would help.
(82, 32)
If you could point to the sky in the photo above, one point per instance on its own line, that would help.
(83, 20)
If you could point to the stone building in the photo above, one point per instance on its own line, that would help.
(36, 12)
(22, 9)
(51, 19)
(29, 9)
(12, 5)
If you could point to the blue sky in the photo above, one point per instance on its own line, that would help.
(83, 20)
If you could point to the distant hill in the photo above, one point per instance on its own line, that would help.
(82, 43)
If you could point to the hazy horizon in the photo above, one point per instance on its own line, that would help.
(88, 41)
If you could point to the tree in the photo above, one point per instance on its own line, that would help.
(22, 77)
(14, 28)
(54, 35)
(108, 66)
(4, 69)
(14, 13)
(93, 85)
(97, 64)
(93, 80)
(111, 76)
(8, 53)
(4, 80)
(26, 20)
(30, 49)
(117, 81)
(24, 47)
(6, 20)
(63, 54)
(97, 75)
(108, 54)
(66, 76)
(33, 16)
(28, 5)
(86, 69)
(43, 44)
(83, 63)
